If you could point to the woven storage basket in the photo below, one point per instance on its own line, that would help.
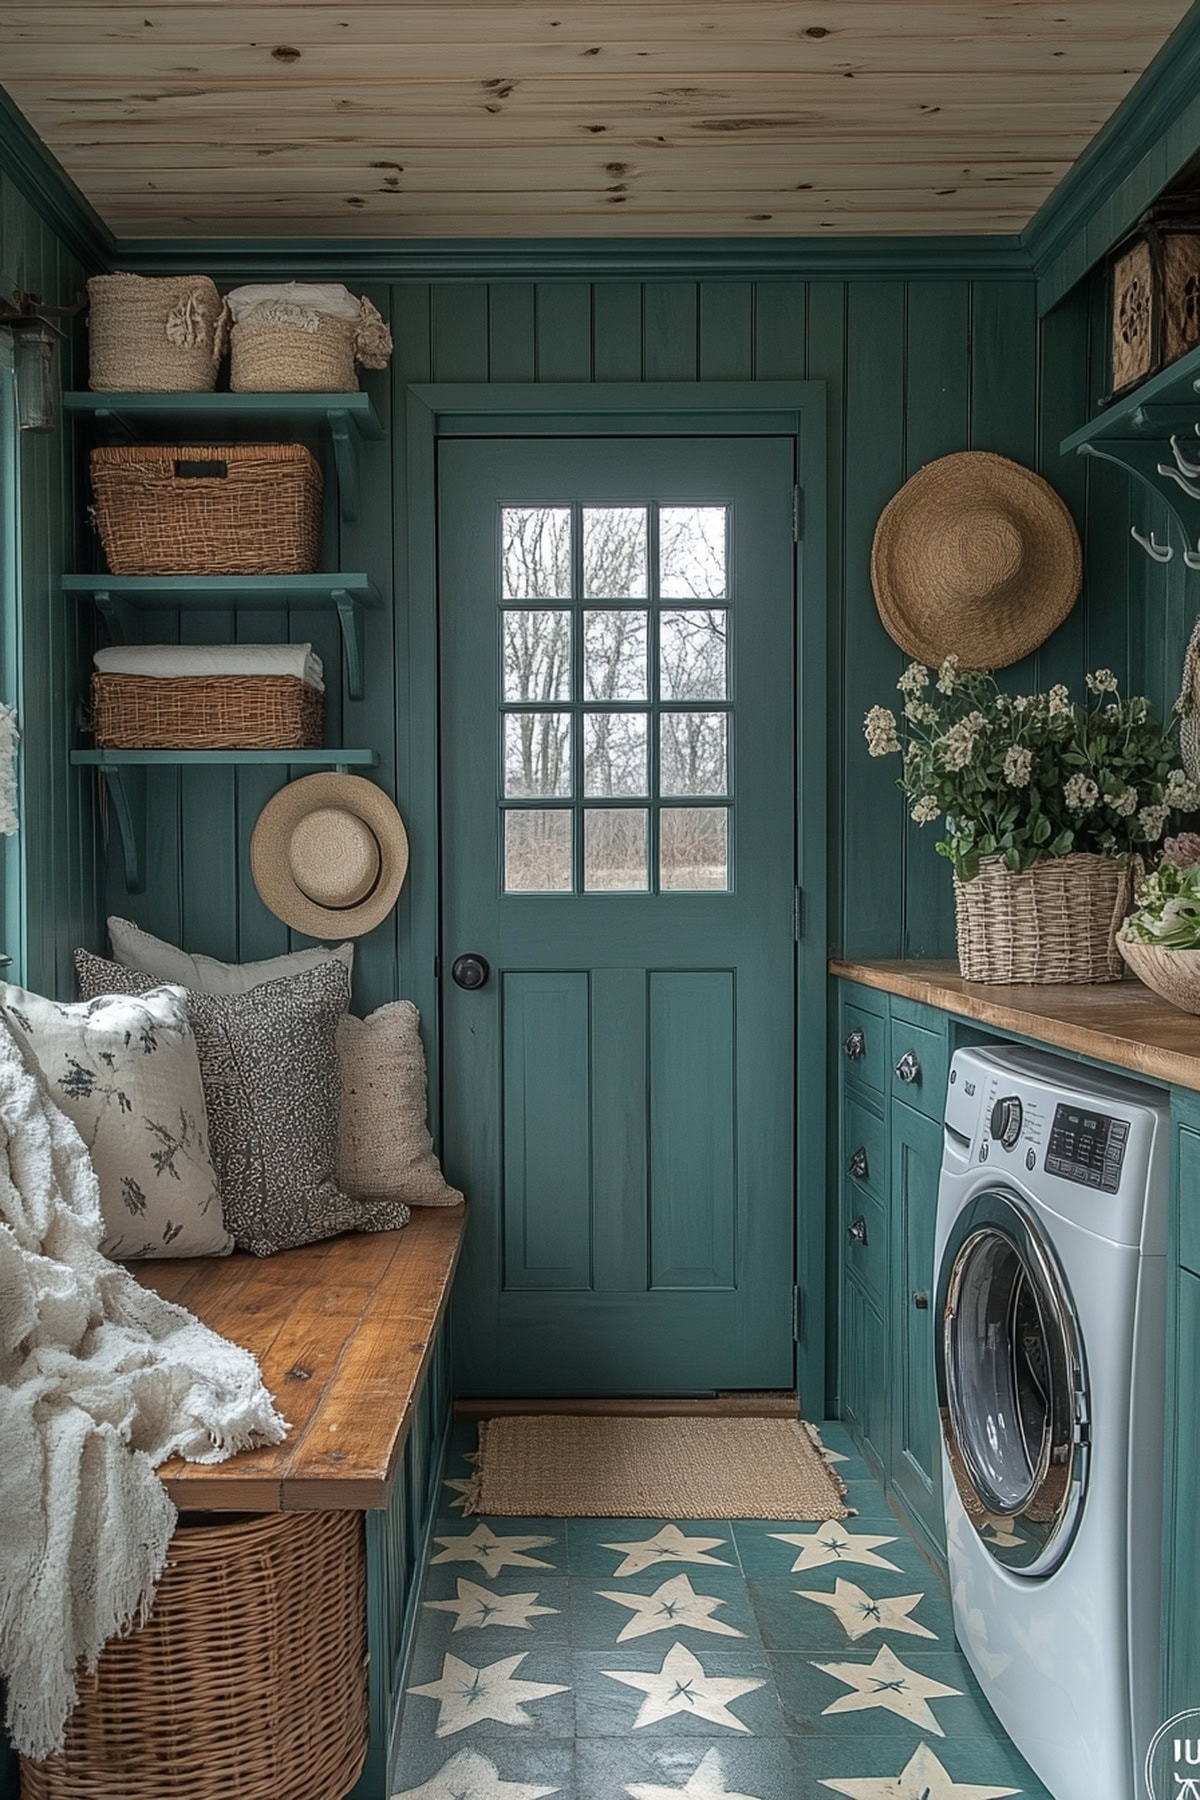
(1156, 292)
(154, 334)
(1174, 974)
(275, 356)
(207, 712)
(237, 509)
(248, 1680)
(1054, 922)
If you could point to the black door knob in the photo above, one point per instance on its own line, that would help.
(471, 971)
(921, 1301)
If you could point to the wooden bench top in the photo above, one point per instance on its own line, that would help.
(343, 1331)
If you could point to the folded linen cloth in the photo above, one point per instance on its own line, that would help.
(100, 1382)
(168, 661)
(288, 298)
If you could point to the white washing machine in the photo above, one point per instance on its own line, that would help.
(1050, 1268)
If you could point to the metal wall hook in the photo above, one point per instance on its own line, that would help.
(1161, 553)
(1188, 487)
(1191, 469)
(1192, 558)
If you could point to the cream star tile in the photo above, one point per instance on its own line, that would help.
(673, 1604)
(832, 1543)
(858, 1614)
(469, 1776)
(466, 1491)
(888, 1684)
(477, 1606)
(667, 1546)
(707, 1782)
(466, 1695)
(922, 1778)
(681, 1686)
(492, 1553)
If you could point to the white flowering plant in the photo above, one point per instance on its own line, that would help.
(1031, 776)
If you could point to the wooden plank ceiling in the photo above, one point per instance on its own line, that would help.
(541, 118)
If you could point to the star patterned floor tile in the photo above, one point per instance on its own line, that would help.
(493, 1552)
(667, 1545)
(890, 1684)
(858, 1613)
(681, 1685)
(598, 1617)
(468, 1695)
(923, 1777)
(656, 1768)
(670, 1607)
(874, 1691)
(778, 1550)
(589, 1553)
(470, 1776)
(475, 1608)
(463, 1488)
(706, 1782)
(791, 1616)
(484, 1768)
(899, 1768)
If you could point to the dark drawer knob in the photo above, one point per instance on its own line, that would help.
(855, 1045)
(471, 971)
(856, 1231)
(859, 1167)
(908, 1068)
(921, 1301)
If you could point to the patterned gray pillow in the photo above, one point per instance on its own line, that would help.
(268, 1059)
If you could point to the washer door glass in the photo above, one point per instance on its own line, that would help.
(1012, 1384)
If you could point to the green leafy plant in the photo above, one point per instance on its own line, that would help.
(1031, 776)
(1168, 908)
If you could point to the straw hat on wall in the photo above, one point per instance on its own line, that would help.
(978, 556)
(329, 855)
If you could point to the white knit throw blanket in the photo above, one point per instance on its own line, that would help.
(100, 1381)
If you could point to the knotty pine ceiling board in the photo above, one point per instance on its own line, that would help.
(526, 118)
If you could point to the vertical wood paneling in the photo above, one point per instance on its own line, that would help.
(617, 331)
(564, 331)
(512, 332)
(669, 350)
(726, 330)
(692, 1108)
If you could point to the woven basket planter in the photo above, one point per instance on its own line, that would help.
(154, 334)
(249, 1678)
(1054, 922)
(276, 355)
(237, 509)
(1173, 974)
(207, 712)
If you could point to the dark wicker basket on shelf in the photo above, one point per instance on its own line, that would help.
(248, 1679)
(1156, 293)
(234, 509)
(207, 712)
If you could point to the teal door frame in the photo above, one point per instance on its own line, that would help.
(795, 409)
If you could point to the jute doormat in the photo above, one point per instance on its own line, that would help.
(563, 1467)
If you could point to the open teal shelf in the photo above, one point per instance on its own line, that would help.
(122, 599)
(124, 773)
(348, 418)
(1135, 433)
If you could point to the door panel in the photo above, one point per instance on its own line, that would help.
(618, 805)
(916, 1150)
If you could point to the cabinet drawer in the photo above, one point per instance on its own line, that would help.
(863, 1047)
(1187, 1188)
(919, 1065)
(864, 1148)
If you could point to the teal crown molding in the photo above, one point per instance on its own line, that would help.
(47, 186)
(585, 259)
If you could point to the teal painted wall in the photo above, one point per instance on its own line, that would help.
(55, 855)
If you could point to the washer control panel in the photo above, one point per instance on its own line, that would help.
(1087, 1147)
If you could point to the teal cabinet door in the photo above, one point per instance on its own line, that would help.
(864, 1385)
(915, 1459)
(1181, 1562)
(618, 802)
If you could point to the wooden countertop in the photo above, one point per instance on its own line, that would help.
(1117, 1022)
(343, 1332)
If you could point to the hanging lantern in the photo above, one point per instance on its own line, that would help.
(35, 360)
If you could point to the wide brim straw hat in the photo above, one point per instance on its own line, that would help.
(978, 557)
(329, 855)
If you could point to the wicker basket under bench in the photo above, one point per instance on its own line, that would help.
(252, 1678)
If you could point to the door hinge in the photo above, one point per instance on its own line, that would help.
(796, 1309)
(798, 913)
(797, 513)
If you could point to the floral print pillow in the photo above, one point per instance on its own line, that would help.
(125, 1071)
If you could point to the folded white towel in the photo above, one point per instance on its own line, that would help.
(292, 297)
(172, 660)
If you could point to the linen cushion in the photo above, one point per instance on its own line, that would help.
(269, 1064)
(138, 949)
(125, 1072)
(384, 1149)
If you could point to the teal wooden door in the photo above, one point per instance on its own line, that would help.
(618, 806)
(916, 1452)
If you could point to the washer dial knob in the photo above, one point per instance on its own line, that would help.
(1007, 1118)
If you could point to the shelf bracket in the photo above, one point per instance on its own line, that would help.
(126, 787)
(120, 619)
(1140, 458)
(350, 619)
(345, 460)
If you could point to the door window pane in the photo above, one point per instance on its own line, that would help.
(537, 655)
(614, 552)
(614, 850)
(693, 853)
(614, 753)
(535, 552)
(537, 754)
(537, 851)
(691, 552)
(692, 753)
(692, 654)
(614, 654)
